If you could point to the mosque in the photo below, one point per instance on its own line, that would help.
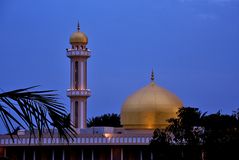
(142, 112)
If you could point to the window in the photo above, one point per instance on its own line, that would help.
(76, 114)
(76, 75)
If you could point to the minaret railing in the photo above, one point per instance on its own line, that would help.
(76, 52)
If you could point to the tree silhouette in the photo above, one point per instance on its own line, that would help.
(159, 145)
(183, 127)
(221, 136)
(214, 134)
(112, 120)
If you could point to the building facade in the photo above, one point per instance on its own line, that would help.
(142, 112)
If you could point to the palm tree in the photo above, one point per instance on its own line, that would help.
(37, 111)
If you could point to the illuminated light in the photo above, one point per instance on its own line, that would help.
(149, 126)
(107, 135)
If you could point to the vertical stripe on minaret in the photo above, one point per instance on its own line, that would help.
(78, 92)
(85, 72)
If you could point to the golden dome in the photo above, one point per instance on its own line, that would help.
(78, 37)
(149, 108)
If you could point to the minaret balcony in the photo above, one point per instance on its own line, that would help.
(78, 92)
(77, 52)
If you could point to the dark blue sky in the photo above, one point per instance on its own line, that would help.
(192, 45)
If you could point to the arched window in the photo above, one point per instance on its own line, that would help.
(76, 75)
(76, 114)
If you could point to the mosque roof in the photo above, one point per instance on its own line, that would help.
(149, 107)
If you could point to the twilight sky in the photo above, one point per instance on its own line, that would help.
(192, 45)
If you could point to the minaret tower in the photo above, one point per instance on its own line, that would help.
(78, 92)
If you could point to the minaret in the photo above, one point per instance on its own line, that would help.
(78, 92)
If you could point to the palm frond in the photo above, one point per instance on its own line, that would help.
(37, 110)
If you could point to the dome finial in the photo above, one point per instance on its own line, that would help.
(78, 26)
(152, 75)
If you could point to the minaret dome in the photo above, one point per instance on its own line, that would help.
(78, 38)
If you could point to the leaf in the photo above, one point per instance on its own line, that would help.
(37, 111)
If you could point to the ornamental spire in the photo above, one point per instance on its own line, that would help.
(78, 26)
(152, 75)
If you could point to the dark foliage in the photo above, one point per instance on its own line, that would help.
(215, 136)
(163, 150)
(110, 120)
(182, 126)
(36, 111)
(159, 138)
(15, 130)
